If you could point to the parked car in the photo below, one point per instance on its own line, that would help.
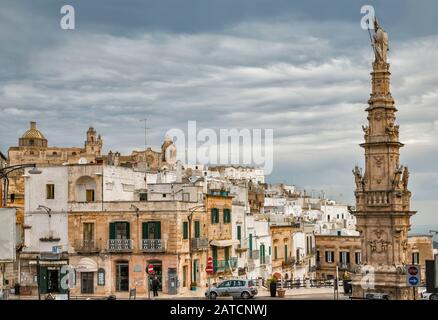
(377, 296)
(424, 295)
(237, 288)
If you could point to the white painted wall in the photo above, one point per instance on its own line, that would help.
(41, 226)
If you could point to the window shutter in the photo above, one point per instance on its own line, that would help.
(340, 256)
(326, 256)
(250, 245)
(158, 230)
(197, 229)
(239, 233)
(216, 215)
(128, 235)
(145, 230)
(112, 230)
(213, 212)
(185, 230)
(348, 257)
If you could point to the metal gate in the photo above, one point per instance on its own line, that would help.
(172, 283)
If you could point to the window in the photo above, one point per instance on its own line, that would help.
(119, 230)
(87, 282)
(215, 215)
(88, 233)
(90, 195)
(250, 245)
(275, 253)
(344, 257)
(151, 230)
(12, 197)
(329, 256)
(50, 191)
(328, 217)
(185, 230)
(262, 254)
(285, 253)
(357, 258)
(197, 229)
(164, 195)
(143, 196)
(184, 284)
(415, 258)
(318, 256)
(122, 276)
(227, 215)
(239, 233)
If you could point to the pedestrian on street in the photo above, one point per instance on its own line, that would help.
(155, 286)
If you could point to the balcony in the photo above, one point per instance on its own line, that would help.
(265, 261)
(225, 265)
(242, 246)
(120, 245)
(87, 246)
(254, 255)
(153, 245)
(288, 263)
(200, 244)
(344, 266)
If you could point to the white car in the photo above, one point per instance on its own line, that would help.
(428, 295)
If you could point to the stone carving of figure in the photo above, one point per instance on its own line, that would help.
(397, 177)
(405, 178)
(366, 129)
(358, 179)
(380, 43)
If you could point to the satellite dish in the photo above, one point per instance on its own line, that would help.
(193, 179)
(82, 161)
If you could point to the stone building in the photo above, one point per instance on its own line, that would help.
(33, 147)
(113, 241)
(333, 251)
(282, 257)
(218, 205)
(382, 195)
(420, 248)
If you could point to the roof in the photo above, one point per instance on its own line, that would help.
(33, 132)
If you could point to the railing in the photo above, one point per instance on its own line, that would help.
(377, 198)
(86, 246)
(224, 265)
(243, 245)
(200, 243)
(118, 245)
(289, 262)
(254, 254)
(265, 261)
(153, 245)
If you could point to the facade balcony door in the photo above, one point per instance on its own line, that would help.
(87, 282)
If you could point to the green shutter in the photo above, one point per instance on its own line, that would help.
(285, 253)
(43, 279)
(250, 245)
(112, 230)
(212, 215)
(128, 234)
(270, 250)
(239, 233)
(158, 230)
(145, 230)
(197, 229)
(185, 230)
(216, 219)
(227, 216)
(227, 253)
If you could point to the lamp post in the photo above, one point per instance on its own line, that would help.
(190, 218)
(4, 172)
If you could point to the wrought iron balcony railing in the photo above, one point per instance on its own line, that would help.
(119, 245)
(153, 245)
(225, 265)
(86, 246)
(200, 243)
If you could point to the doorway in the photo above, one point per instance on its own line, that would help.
(52, 280)
(122, 276)
(158, 271)
(87, 282)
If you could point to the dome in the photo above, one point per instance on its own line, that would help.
(33, 132)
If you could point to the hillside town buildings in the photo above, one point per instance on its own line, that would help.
(100, 220)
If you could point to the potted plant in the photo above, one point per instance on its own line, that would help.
(281, 292)
(273, 286)
(193, 286)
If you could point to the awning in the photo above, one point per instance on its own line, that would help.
(86, 265)
(223, 243)
(48, 262)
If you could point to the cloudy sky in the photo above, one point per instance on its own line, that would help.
(298, 67)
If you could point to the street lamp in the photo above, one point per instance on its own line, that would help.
(190, 217)
(4, 172)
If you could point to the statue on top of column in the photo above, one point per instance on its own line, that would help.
(380, 43)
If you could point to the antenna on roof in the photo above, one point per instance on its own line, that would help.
(145, 147)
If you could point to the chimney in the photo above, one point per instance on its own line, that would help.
(33, 125)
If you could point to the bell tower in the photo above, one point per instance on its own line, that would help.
(93, 144)
(382, 195)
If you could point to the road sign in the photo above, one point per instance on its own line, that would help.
(209, 269)
(413, 275)
(151, 269)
